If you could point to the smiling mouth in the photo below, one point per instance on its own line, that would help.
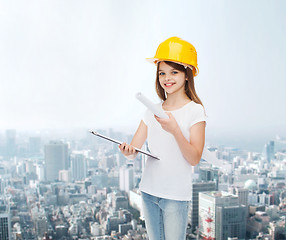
(169, 84)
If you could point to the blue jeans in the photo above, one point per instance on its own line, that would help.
(165, 219)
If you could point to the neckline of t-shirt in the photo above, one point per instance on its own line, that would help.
(177, 108)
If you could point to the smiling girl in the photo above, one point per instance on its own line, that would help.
(178, 141)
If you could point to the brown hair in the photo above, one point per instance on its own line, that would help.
(189, 85)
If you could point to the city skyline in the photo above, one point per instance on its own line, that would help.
(251, 144)
(93, 192)
(75, 65)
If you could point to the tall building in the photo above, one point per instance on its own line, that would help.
(126, 178)
(221, 216)
(242, 194)
(40, 171)
(10, 143)
(78, 166)
(56, 159)
(198, 187)
(268, 151)
(207, 174)
(5, 226)
(41, 225)
(231, 222)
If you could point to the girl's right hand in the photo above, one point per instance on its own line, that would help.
(127, 150)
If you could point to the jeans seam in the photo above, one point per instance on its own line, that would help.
(161, 225)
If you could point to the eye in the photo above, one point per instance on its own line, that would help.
(161, 73)
(174, 72)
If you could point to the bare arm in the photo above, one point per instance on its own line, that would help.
(137, 141)
(192, 151)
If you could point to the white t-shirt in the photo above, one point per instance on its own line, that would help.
(171, 176)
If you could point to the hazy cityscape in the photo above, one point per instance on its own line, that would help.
(68, 65)
(84, 188)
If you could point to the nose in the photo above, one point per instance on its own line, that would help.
(168, 77)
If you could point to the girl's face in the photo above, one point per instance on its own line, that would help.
(171, 79)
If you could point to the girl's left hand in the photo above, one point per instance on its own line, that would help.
(170, 125)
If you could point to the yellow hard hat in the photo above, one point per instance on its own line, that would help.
(177, 50)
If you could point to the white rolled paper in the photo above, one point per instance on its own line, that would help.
(154, 108)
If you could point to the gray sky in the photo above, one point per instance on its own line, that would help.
(80, 63)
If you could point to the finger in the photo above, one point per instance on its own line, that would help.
(157, 118)
(169, 114)
(122, 146)
(130, 149)
(126, 148)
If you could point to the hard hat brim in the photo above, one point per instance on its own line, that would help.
(156, 60)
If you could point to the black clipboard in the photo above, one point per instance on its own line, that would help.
(118, 142)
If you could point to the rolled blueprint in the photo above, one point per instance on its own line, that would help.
(154, 108)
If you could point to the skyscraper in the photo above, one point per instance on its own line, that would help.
(194, 207)
(5, 226)
(78, 166)
(126, 178)
(11, 143)
(221, 216)
(268, 151)
(207, 174)
(242, 194)
(56, 159)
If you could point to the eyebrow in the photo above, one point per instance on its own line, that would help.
(160, 70)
